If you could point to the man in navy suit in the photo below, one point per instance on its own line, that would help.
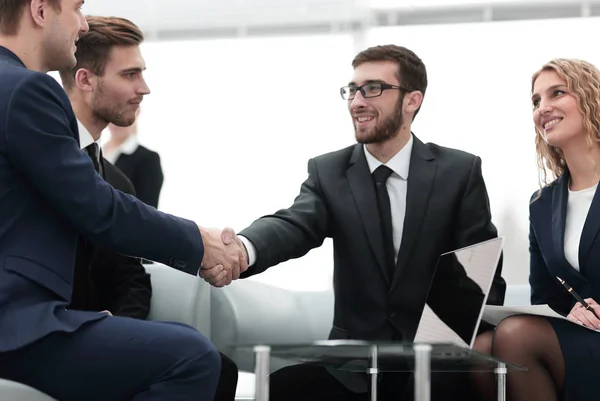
(49, 194)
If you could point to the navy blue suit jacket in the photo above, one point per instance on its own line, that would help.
(546, 238)
(49, 192)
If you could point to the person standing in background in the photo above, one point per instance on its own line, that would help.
(140, 164)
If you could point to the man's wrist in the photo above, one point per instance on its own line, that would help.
(250, 250)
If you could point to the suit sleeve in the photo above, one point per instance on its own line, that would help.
(475, 225)
(44, 149)
(291, 233)
(544, 289)
(150, 180)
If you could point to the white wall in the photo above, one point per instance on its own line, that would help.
(235, 121)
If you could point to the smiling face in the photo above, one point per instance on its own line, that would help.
(63, 27)
(376, 119)
(556, 115)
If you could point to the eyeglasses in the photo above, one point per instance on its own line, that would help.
(367, 90)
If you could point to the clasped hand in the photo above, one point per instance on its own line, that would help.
(225, 257)
(585, 317)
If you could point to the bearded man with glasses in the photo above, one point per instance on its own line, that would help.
(392, 205)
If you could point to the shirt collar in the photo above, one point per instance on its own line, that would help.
(399, 164)
(85, 138)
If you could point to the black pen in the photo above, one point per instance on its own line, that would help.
(577, 297)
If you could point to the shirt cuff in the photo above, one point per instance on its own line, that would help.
(250, 249)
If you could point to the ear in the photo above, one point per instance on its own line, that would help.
(85, 80)
(412, 101)
(38, 8)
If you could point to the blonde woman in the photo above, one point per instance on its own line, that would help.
(562, 357)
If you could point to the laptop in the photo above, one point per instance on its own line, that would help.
(458, 293)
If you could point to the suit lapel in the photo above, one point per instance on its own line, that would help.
(590, 232)
(560, 199)
(420, 183)
(102, 167)
(560, 196)
(365, 199)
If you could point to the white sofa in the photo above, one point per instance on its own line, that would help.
(244, 313)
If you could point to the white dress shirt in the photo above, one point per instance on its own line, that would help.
(396, 186)
(85, 138)
(578, 206)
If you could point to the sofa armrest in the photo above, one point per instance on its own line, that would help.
(249, 313)
(13, 391)
(179, 297)
(517, 295)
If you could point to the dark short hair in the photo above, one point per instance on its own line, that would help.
(94, 46)
(11, 12)
(411, 70)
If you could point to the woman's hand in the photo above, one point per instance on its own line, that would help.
(585, 317)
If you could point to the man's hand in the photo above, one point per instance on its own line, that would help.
(222, 262)
(228, 236)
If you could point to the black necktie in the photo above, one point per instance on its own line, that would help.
(380, 176)
(93, 151)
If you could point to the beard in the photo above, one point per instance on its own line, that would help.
(109, 112)
(384, 130)
(58, 54)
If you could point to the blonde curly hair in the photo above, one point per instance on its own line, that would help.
(583, 82)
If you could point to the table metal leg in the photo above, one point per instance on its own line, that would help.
(261, 370)
(500, 372)
(373, 371)
(422, 372)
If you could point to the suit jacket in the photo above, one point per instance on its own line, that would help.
(447, 208)
(547, 215)
(49, 193)
(144, 170)
(105, 280)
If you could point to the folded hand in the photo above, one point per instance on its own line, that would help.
(585, 317)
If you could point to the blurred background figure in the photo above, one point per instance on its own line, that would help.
(140, 164)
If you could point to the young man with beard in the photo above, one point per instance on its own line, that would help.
(106, 86)
(392, 205)
(50, 194)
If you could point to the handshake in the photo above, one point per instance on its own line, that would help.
(225, 256)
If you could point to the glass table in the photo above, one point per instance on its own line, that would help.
(374, 358)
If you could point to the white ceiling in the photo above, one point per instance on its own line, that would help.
(179, 19)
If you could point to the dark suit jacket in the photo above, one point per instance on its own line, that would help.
(105, 280)
(144, 170)
(548, 216)
(447, 208)
(49, 193)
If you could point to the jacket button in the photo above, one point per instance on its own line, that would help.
(391, 313)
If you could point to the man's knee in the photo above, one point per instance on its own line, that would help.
(201, 355)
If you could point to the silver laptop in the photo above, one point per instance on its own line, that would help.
(458, 292)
